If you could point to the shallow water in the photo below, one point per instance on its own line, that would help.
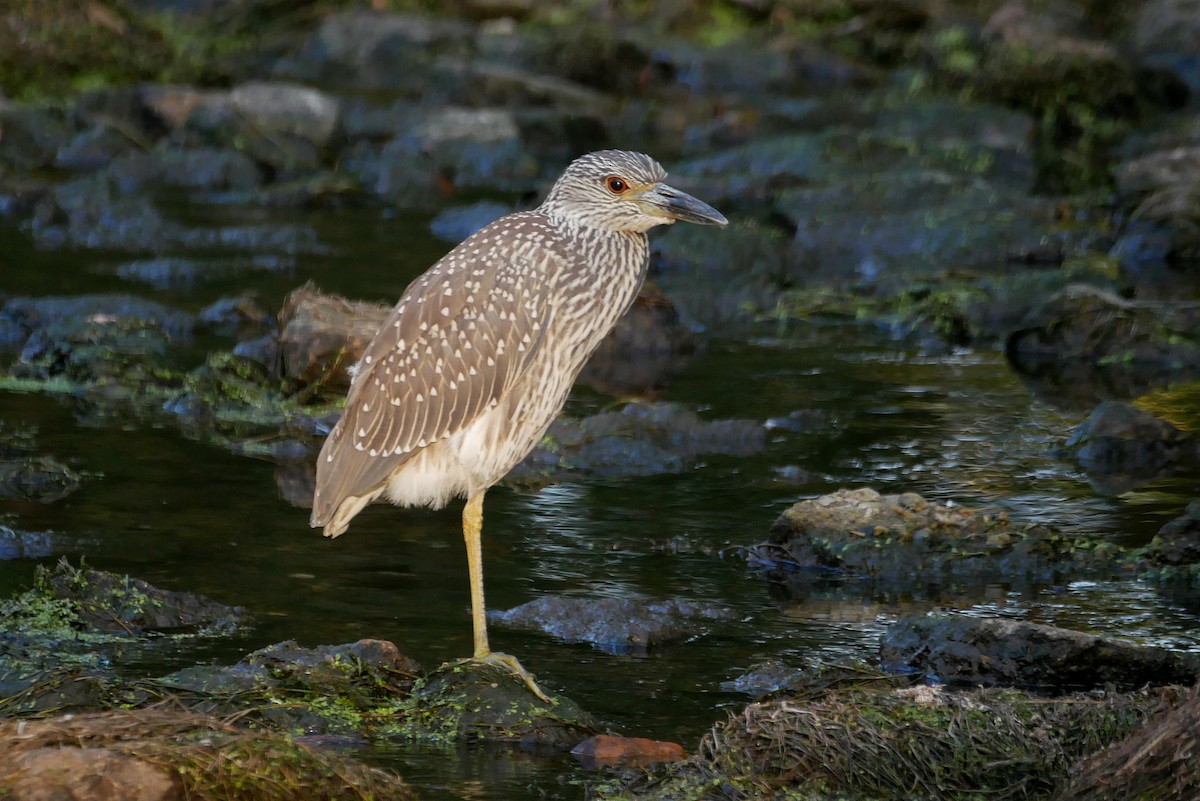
(869, 412)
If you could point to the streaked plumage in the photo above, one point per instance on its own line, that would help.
(479, 355)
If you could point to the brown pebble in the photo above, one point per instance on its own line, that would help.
(607, 749)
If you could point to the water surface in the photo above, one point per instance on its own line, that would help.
(866, 411)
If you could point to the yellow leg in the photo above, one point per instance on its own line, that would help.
(472, 518)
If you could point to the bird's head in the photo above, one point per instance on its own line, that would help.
(617, 190)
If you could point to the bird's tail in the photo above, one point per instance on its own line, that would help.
(335, 520)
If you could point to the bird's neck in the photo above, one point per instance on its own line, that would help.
(621, 259)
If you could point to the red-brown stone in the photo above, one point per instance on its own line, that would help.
(607, 749)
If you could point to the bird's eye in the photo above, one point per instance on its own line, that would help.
(616, 184)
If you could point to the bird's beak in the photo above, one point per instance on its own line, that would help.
(661, 200)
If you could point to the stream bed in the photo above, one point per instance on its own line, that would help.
(845, 404)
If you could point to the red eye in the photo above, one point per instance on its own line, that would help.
(616, 184)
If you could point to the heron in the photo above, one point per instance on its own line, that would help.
(478, 356)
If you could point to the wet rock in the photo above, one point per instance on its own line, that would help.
(94, 148)
(321, 336)
(36, 682)
(60, 639)
(17, 544)
(117, 358)
(310, 190)
(192, 168)
(1157, 181)
(915, 219)
(289, 110)
(639, 440)
(607, 749)
(477, 148)
(21, 194)
(236, 315)
(615, 625)
(172, 106)
(1156, 761)
(229, 396)
(112, 604)
(1118, 439)
(396, 172)
(114, 357)
(335, 688)
(990, 652)
(34, 314)
(37, 478)
(376, 51)
(713, 280)
(495, 84)
(170, 755)
(32, 136)
(764, 679)
(93, 212)
(907, 538)
(1178, 541)
(469, 701)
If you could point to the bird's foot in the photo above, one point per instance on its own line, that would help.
(511, 664)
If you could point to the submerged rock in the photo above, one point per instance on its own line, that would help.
(37, 478)
(988, 652)
(19, 544)
(616, 625)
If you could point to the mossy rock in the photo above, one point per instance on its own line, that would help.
(475, 701)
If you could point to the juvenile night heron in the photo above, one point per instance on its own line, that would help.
(475, 361)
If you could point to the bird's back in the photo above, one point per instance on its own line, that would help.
(511, 301)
